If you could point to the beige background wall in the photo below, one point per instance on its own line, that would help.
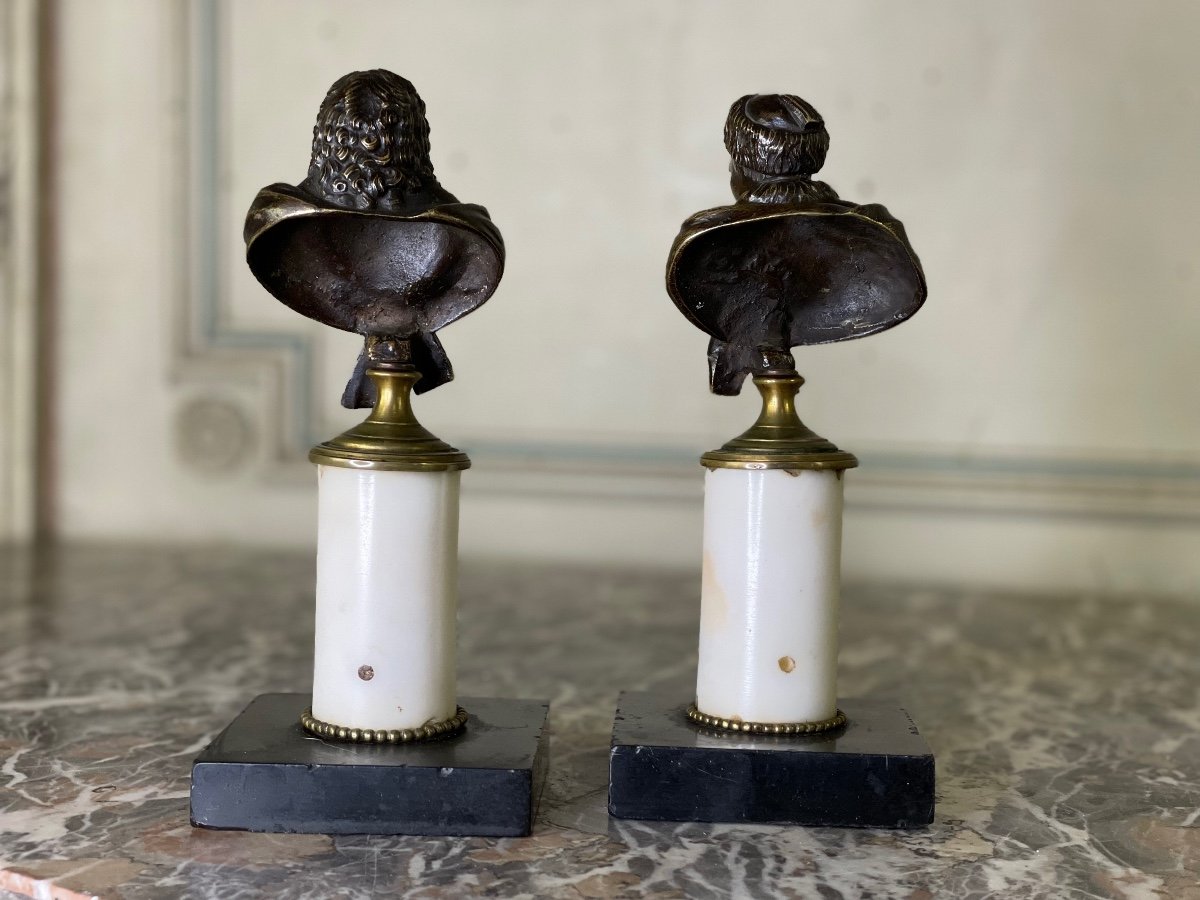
(1035, 425)
(19, 261)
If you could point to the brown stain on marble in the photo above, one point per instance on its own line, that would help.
(966, 844)
(1173, 848)
(1179, 887)
(1140, 884)
(786, 663)
(795, 473)
(366, 673)
(713, 599)
(820, 516)
(89, 750)
(536, 847)
(735, 718)
(232, 848)
(69, 879)
(603, 885)
(1179, 842)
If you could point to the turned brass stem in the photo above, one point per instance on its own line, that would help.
(391, 438)
(393, 390)
(778, 420)
(778, 439)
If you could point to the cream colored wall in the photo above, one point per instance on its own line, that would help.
(1035, 425)
(18, 267)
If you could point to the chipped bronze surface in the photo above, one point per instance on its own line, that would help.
(370, 241)
(776, 728)
(789, 263)
(444, 728)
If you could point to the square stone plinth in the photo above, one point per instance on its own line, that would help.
(265, 773)
(874, 772)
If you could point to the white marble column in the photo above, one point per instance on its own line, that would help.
(769, 600)
(387, 548)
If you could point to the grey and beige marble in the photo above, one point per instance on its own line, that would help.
(1067, 730)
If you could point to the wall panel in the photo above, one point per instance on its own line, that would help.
(1034, 424)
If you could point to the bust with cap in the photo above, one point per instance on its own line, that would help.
(789, 263)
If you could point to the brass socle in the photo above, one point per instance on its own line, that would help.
(391, 439)
(717, 723)
(428, 731)
(778, 440)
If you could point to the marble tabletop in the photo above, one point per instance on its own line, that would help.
(1066, 728)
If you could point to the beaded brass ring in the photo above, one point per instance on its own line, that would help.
(446, 727)
(781, 728)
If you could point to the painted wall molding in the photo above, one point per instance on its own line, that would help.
(19, 261)
(208, 348)
(1090, 487)
(279, 368)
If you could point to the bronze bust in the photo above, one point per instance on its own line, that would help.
(370, 242)
(789, 263)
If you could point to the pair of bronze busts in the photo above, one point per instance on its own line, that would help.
(371, 243)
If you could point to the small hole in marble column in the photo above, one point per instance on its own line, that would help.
(366, 673)
(786, 663)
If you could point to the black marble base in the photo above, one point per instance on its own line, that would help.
(265, 773)
(876, 772)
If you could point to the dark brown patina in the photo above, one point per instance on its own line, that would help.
(370, 242)
(789, 263)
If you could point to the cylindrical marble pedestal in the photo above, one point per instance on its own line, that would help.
(769, 598)
(387, 548)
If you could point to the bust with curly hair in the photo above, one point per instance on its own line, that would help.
(370, 146)
(369, 241)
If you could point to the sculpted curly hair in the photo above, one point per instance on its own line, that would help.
(371, 142)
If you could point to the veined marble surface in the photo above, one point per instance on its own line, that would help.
(1067, 734)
